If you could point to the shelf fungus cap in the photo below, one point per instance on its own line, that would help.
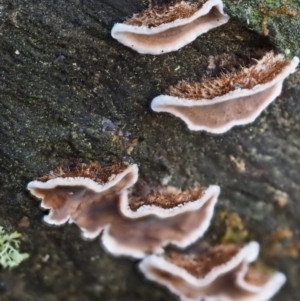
(98, 202)
(221, 273)
(181, 222)
(65, 189)
(156, 32)
(216, 105)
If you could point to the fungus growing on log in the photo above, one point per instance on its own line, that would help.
(133, 227)
(168, 216)
(217, 104)
(67, 189)
(162, 29)
(156, 222)
(221, 273)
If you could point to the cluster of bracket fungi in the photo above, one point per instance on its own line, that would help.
(97, 199)
(137, 220)
(141, 222)
(216, 104)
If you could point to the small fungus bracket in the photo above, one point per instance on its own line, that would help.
(222, 273)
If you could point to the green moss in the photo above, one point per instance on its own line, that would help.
(283, 29)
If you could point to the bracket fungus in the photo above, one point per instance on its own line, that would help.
(166, 216)
(96, 200)
(221, 273)
(164, 29)
(67, 190)
(217, 104)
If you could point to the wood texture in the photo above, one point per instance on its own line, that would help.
(69, 92)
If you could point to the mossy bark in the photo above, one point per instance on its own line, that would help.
(62, 76)
(281, 18)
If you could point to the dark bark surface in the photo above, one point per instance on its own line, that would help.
(61, 77)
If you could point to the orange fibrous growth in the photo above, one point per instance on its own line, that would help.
(257, 275)
(167, 197)
(94, 171)
(261, 72)
(223, 63)
(282, 244)
(153, 17)
(269, 12)
(201, 264)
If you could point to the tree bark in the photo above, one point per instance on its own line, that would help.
(70, 93)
